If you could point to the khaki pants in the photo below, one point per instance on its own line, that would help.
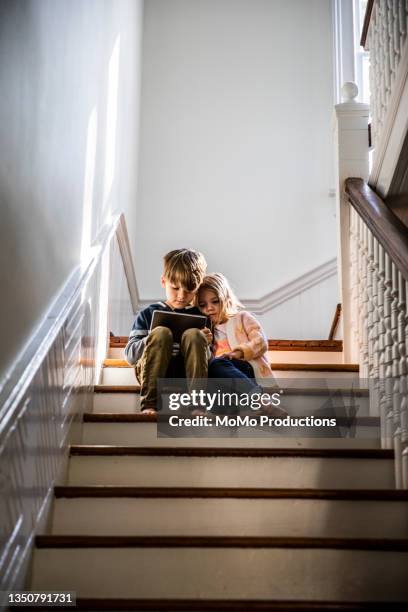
(157, 361)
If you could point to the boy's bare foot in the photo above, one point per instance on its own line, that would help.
(149, 410)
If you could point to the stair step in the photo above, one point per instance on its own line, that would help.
(273, 345)
(320, 367)
(302, 400)
(117, 388)
(131, 541)
(122, 375)
(107, 450)
(293, 390)
(301, 568)
(305, 351)
(105, 491)
(141, 417)
(223, 467)
(139, 429)
(267, 512)
(274, 355)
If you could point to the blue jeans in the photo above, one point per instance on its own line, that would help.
(240, 373)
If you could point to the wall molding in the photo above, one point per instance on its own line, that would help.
(293, 288)
(279, 296)
(22, 371)
(42, 397)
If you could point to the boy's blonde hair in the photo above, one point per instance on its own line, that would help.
(185, 267)
(229, 303)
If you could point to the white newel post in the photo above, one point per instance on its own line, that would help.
(351, 160)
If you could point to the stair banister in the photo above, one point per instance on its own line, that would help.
(390, 232)
(373, 274)
(351, 155)
(386, 237)
(385, 36)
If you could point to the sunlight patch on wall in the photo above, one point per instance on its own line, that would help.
(89, 181)
(111, 122)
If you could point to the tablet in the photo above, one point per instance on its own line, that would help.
(177, 322)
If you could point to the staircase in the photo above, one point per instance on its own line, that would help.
(236, 523)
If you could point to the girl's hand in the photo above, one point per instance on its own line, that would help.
(236, 354)
(208, 335)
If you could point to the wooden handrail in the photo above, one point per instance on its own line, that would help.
(390, 232)
(366, 24)
(335, 323)
(127, 260)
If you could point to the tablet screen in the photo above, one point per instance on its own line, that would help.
(177, 322)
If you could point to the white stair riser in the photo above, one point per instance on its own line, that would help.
(118, 376)
(282, 375)
(273, 356)
(116, 402)
(145, 434)
(230, 517)
(116, 353)
(231, 471)
(300, 404)
(223, 573)
(126, 376)
(305, 357)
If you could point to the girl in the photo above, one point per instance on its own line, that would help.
(239, 345)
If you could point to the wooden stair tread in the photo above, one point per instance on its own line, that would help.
(116, 388)
(103, 541)
(362, 392)
(102, 491)
(140, 417)
(273, 345)
(316, 367)
(342, 453)
(300, 367)
(232, 605)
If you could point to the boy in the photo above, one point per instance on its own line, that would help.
(154, 353)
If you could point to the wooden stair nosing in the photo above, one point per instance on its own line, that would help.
(298, 367)
(123, 417)
(232, 605)
(345, 392)
(316, 367)
(116, 388)
(341, 453)
(140, 417)
(96, 541)
(109, 491)
(332, 346)
(312, 346)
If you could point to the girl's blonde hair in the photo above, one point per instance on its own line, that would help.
(229, 303)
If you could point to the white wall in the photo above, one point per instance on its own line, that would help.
(236, 142)
(69, 116)
(305, 316)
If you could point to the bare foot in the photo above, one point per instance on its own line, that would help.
(149, 411)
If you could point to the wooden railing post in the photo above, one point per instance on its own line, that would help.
(351, 158)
